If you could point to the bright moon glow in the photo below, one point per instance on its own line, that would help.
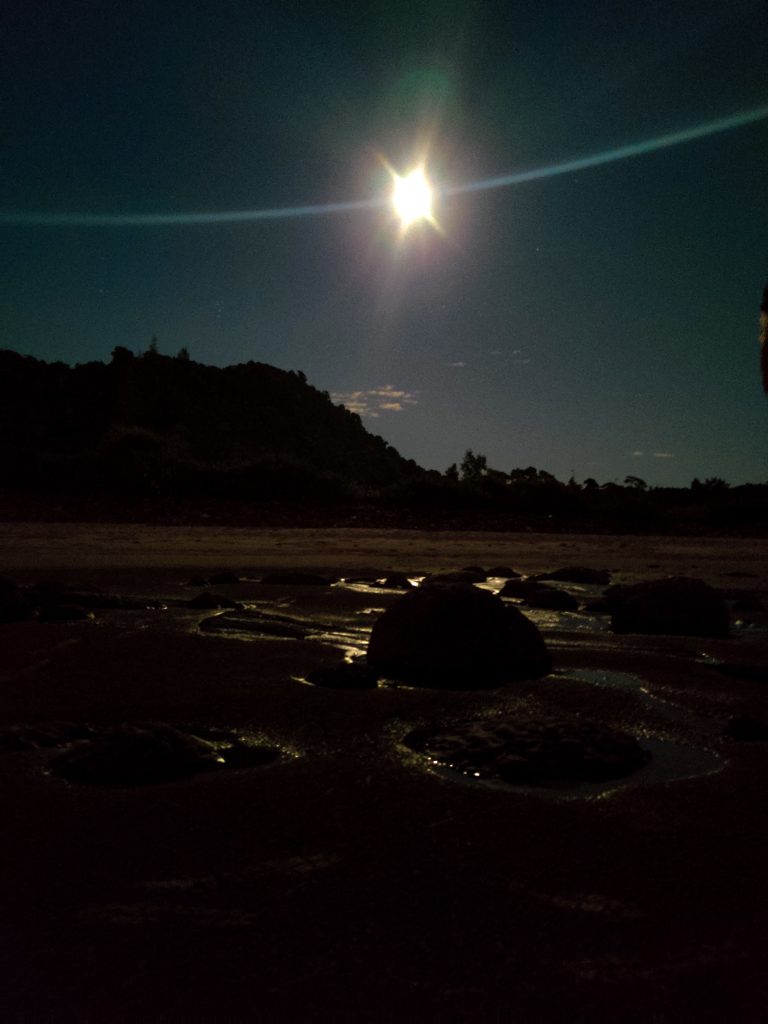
(412, 198)
(633, 149)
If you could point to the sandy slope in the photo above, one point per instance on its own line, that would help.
(32, 546)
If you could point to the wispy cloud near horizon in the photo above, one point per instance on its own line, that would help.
(374, 401)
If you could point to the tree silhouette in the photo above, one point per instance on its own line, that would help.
(473, 467)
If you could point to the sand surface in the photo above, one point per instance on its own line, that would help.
(350, 880)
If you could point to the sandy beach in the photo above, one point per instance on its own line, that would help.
(350, 879)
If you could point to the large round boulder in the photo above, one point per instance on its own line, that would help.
(456, 636)
(677, 606)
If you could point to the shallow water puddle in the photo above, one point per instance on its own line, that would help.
(669, 762)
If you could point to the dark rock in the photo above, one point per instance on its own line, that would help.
(551, 599)
(477, 569)
(459, 576)
(208, 600)
(456, 636)
(298, 579)
(678, 606)
(395, 580)
(132, 755)
(344, 677)
(578, 574)
(746, 728)
(503, 571)
(63, 613)
(517, 588)
(530, 750)
(220, 578)
(197, 581)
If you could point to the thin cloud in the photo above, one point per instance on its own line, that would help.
(374, 401)
(459, 363)
(638, 455)
(663, 455)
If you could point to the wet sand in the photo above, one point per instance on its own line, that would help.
(350, 880)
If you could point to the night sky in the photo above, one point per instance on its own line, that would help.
(600, 322)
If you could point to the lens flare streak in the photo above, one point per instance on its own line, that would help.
(659, 142)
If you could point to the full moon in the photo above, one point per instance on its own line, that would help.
(412, 198)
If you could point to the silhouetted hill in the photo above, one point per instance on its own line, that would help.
(156, 424)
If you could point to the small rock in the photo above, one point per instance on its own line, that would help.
(503, 571)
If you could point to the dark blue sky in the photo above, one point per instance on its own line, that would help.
(601, 322)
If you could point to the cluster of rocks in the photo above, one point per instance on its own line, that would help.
(60, 602)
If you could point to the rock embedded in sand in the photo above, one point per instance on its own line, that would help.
(518, 588)
(503, 572)
(456, 636)
(531, 750)
(677, 606)
(132, 755)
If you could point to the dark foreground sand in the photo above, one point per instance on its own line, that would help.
(348, 881)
